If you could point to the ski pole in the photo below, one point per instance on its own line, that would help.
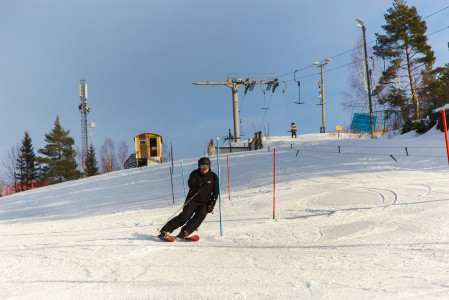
(181, 208)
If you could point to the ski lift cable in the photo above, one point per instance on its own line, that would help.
(438, 31)
(325, 71)
(335, 56)
(302, 69)
(263, 119)
(243, 102)
(435, 12)
(269, 100)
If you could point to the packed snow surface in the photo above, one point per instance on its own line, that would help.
(354, 219)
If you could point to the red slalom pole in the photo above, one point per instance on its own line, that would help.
(229, 181)
(443, 114)
(274, 183)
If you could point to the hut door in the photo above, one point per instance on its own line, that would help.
(143, 149)
(153, 147)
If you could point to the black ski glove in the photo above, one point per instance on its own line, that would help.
(210, 209)
(211, 205)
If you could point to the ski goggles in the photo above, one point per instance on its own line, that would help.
(204, 167)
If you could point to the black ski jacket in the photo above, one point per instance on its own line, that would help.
(205, 184)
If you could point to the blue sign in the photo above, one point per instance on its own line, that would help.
(361, 122)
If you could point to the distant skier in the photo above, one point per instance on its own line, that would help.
(200, 201)
(293, 129)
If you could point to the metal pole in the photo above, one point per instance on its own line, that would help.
(368, 81)
(323, 99)
(229, 177)
(445, 133)
(235, 106)
(219, 187)
(171, 173)
(323, 103)
(183, 180)
(274, 183)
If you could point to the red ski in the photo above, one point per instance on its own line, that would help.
(193, 238)
(168, 238)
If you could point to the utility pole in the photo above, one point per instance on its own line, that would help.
(322, 102)
(235, 84)
(368, 80)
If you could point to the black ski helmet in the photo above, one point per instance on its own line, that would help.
(204, 161)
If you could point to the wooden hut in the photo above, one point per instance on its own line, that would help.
(148, 149)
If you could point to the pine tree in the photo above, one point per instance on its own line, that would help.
(60, 155)
(437, 90)
(91, 162)
(405, 45)
(26, 163)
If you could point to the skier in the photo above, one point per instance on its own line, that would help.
(200, 201)
(293, 129)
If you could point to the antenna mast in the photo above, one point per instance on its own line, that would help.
(84, 109)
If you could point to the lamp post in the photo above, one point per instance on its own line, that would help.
(323, 103)
(361, 25)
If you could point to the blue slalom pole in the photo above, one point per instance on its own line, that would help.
(219, 186)
(183, 180)
(171, 173)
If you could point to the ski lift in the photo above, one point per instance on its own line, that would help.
(275, 84)
(285, 87)
(249, 86)
(299, 89)
(269, 85)
(265, 106)
(253, 84)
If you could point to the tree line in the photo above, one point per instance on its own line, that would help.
(56, 162)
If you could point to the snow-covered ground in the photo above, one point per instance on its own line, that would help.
(350, 225)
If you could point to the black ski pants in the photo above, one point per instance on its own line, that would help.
(192, 215)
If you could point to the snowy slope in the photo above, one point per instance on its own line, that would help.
(351, 223)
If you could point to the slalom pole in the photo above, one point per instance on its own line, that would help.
(219, 186)
(183, 180)
(229, 181)
(274, 183)
(171, 173)
(445, 133)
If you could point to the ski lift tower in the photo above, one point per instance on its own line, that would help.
(235, 84)
(84, 109)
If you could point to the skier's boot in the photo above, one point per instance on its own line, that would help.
(165, 236)
(183, 234)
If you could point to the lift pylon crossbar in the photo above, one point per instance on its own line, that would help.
(235, 84)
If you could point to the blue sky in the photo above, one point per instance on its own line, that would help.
(140, 57)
